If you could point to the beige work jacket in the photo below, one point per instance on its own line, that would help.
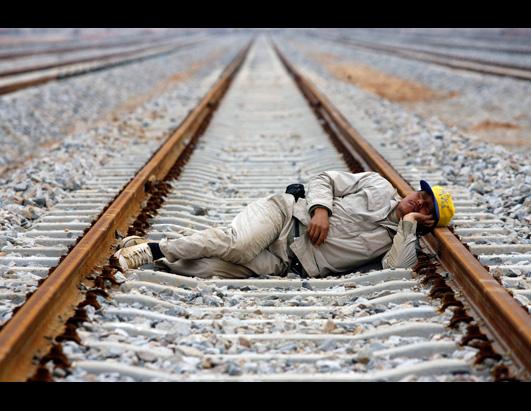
(361, 227)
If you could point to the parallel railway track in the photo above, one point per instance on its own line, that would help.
(509, 45)
(45, 48)
(522, 50)
(444, 319)
(440, 58)
(16, 79)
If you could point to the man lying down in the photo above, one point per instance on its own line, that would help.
(343, 221)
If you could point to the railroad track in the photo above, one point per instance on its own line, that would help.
(38, 49)
(494, 243)
(440, 40)
(523, 50)
(23, 77)
(153, 325)
(440, 58)
(490, 43)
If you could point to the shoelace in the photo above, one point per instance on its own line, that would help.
(139, 256)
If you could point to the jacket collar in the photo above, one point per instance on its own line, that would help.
(391, 221)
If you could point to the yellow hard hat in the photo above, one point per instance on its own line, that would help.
(442, 202)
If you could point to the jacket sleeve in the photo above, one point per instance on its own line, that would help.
(402, 253)
(325, 186)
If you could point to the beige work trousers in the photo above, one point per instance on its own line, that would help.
(255, 243)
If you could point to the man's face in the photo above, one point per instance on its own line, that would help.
(417, 202)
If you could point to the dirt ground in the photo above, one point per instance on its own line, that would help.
(515, 135)
(382, 84)
(419, 98)
(115, 114)
(136, 101)
(493, 125)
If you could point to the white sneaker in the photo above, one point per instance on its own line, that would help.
(130, 241)
(134, 256)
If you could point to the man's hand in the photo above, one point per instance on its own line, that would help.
(319, 225)
(426, 220)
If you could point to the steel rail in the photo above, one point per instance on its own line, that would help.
(445, 55)
(428, 35)
(508, 322)
(108, 61)
(31, 330)
(467, 44)
(102, 57)
(69, 47)
(447, 60)
(484, 47)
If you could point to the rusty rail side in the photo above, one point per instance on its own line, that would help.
(506, 319)
(32, 328)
